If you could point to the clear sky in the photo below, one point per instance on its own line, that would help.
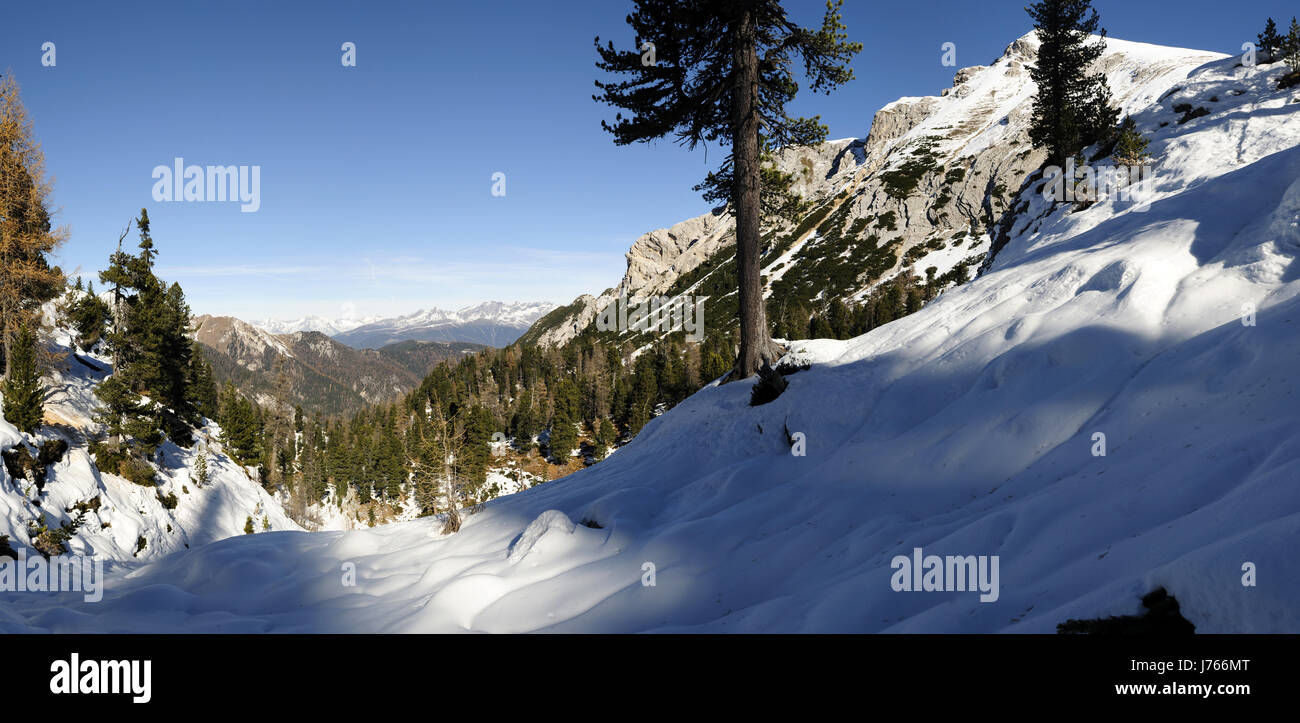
(376, 180)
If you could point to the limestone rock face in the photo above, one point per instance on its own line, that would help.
(931, 181)
(657, 258)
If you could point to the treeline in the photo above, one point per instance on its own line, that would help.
(547, 400)
(902, 295)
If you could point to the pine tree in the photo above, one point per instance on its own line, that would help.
(89, 317)
(1131, 146)
(26, 278)
(201, 384)
(564, 437)
(24, 396)
(722, 73)
(240, 427)
(143, 266)
(201, 471)
(1291, 47)
(1270, 43)
(1072, 107)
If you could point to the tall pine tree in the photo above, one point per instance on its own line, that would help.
(720, 70)
(1072, 107)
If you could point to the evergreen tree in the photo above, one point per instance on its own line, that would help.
(604, 435)
(722, 72)
(201, 471)
(1291, 47)
(564, 437)
(1270, 43)
(1072, 107)
(240, 427)
(1131, 145)
(142, 268)
(201, 385)
(24, 395)
(89, 317)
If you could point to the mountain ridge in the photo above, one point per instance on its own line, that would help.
(927, 187)
(492, 323)
(322, 374)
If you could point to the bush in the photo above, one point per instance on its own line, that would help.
(1162, 617)
(770, 385)
(168, 500)
(1189, 112)
(138, 471)
(53, 542)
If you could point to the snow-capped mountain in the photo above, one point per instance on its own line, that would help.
(328, 327)
(493, 323)
(1110, 408)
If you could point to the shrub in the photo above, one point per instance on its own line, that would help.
(168, 500)
(1190, 113)
(138, 471)
(770, 385)
(1162, 617)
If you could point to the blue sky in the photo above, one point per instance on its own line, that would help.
(376, 180)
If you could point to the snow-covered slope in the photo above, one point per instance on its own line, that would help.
(122, 512)
(967, 428)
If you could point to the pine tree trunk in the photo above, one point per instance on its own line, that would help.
(756, 345)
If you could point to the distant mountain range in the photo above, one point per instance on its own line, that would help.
(323, 374)
(493, 323)
(328, 327)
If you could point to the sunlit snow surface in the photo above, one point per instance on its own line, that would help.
(965, 429)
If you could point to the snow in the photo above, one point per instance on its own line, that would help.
(968, 428)
(127, 511)
(520, 314)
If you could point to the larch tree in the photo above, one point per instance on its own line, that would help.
(722, 71)
(26, 238)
